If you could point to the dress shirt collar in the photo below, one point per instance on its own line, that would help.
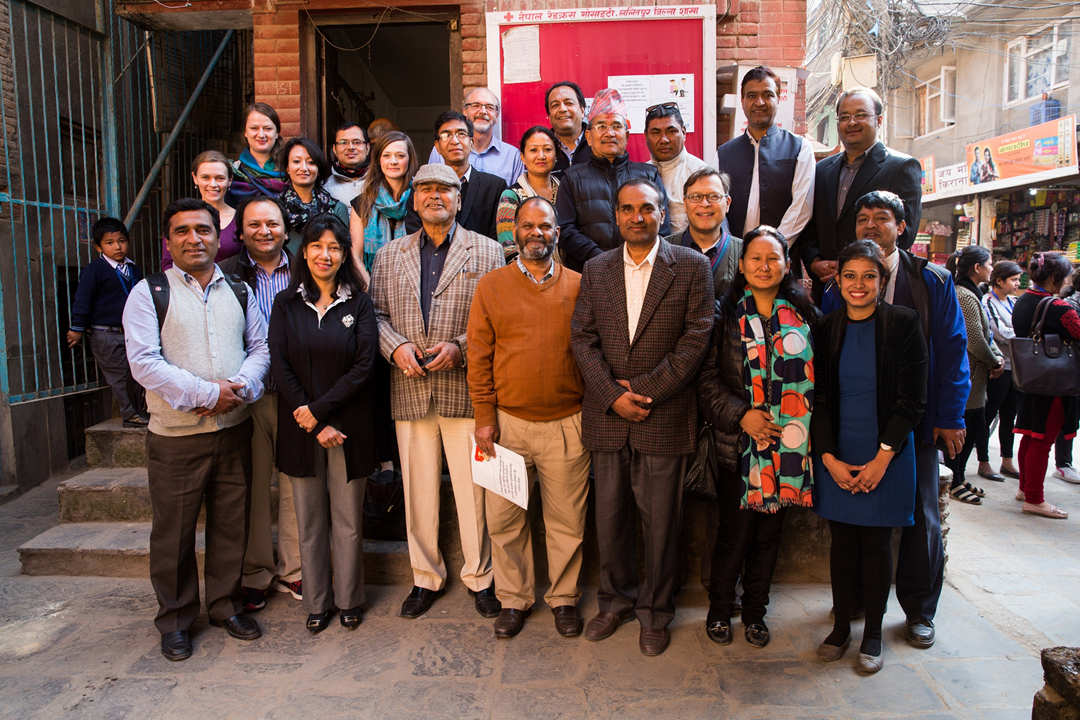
(425, 238)
(650, 258)
(283, 262)
(115, 265)
(566, 148)
(467, 176)
(493, 149)
(858, 161)
(547, 273)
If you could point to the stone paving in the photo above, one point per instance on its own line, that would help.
(87, 648)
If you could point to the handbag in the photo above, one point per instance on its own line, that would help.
(700, 480)
(384, 508)
(1045, 364)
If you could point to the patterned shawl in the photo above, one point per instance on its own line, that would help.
(379, 229)
(300, 212)
(250, 179)
(777, 474)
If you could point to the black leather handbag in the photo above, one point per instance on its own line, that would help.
(1045, 364)
(700, 481)
(384, 509)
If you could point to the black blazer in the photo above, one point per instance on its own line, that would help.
(479, 206)
(902, 363)
(325, 366)
(883, 169)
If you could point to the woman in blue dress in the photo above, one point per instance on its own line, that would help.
(869, 393)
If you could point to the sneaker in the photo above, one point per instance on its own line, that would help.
(254, 599)
(293, 588)
(1068, 474)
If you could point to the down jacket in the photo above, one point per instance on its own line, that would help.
(722, 396)
(586, 206)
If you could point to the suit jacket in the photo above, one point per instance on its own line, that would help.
(479, 206)
(663, 359)
(395, 285)
(883, 169)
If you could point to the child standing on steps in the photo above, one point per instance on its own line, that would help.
(98, 309)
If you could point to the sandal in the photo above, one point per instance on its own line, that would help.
(1049, 511)
(1020, 496)
(964, 495)
(977, 490)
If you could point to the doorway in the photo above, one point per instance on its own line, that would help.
(389, 65)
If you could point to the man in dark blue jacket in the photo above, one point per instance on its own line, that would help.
(98, 308)
(586, 201)
(928, 289)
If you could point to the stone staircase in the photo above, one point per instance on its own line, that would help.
(105, 514)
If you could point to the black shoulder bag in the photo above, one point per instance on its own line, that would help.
(1045, 364)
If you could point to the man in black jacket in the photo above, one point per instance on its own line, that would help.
(565, 107)
(586, 200)
(265, 265)
(841, 179)
(480, 191)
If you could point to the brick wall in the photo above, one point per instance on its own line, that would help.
(7, 83)
(755, 31)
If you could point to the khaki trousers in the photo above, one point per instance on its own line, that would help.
(259, 565)
(559, 462)
(421, 444)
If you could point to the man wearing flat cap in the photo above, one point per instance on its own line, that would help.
(586, 201)
(422, 288)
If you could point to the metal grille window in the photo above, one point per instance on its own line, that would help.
(1037, 63)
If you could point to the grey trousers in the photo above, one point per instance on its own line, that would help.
(111, 357)
(329, 515)
(654, 484)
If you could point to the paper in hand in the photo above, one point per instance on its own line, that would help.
(505, 474)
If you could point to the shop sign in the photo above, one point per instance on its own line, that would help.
(1050, 146)
(928, 178)
(951, 177)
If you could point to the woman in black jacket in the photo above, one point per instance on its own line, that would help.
(753, 421)
(323, 342)
(869, 395)
(1040, 419)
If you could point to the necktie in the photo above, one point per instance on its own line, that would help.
(125, 271)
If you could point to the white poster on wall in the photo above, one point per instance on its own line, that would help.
(521, 54)
(642, 91)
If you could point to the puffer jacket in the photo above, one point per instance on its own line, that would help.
(722, 396)
(586, 206)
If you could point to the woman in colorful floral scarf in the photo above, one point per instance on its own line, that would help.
(256, 172)
(870, 393)
(305, 197)
(757, 391)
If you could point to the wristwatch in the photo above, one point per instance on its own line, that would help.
(888, 448)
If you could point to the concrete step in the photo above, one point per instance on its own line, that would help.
(113, 494)
(122, 549)
(110, 444)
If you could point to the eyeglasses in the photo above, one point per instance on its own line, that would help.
(698, 197)
(460, 135)
(477, 106)
(604, 128)
(859, 117)
(347, 143)
(664, 105)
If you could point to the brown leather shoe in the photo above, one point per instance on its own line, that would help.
(567, 620)
(605, 624)
(653, 641)
(510, 622)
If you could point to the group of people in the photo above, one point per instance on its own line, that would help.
(322, 321)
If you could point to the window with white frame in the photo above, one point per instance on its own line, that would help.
(935, 102)
(1037, 63)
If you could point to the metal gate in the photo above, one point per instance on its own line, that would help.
(86, 107)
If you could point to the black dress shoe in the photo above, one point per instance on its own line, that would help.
(176, 645)
(920, 633)
(719, 632)
(317, 622)
(757, 635)
(568, 621)
(419, 602)
(486, 603)
(510, 622)
(351, 618)
(241, 626)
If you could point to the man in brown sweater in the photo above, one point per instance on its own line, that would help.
(526, 393)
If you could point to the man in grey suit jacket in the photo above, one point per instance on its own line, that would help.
(422, 288)
(640, 331)
(706, 199)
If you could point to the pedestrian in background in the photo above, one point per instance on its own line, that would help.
(1000, 393)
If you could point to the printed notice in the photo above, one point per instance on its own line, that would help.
(505, 474)
(642, 91)
(521, 54)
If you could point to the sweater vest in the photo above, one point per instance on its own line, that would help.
(207, 340)
(778, 156)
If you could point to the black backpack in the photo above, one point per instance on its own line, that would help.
(159, 291)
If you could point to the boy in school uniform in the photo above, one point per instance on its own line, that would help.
(98, 309)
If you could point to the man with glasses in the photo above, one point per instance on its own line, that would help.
(705, 194)
(480, 191)
(771, 169)
(665, 134)
(488, 153)
(564, 104)
(864, 166)
(350, 162)
(586, 200)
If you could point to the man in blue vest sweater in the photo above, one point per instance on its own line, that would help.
(928, 289)
(771, 169)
